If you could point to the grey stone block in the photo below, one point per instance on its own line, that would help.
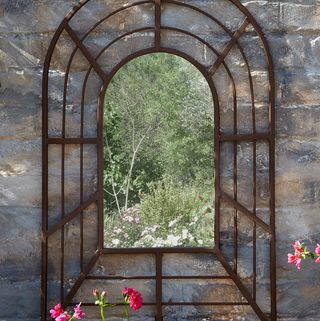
(302, 16)
(299, 121)
(20, 235)
(18, 297)
(32, 16)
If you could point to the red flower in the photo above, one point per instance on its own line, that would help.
(78, 313)
(133, 298)
(136, 301)
(56, 311)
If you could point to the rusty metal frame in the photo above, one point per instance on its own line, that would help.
(220, 138)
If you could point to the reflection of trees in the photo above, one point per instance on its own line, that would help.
(158, 123)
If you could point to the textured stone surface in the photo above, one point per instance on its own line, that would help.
(26, 28)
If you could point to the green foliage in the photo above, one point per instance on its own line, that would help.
(182, 212)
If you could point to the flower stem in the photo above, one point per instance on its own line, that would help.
(127, 312)
(102, 313)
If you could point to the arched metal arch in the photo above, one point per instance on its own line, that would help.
(220, 138)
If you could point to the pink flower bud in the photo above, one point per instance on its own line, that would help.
(103, 297)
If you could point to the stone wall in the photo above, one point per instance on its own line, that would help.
(26, 28)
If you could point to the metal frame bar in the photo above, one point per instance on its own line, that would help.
(159, 298)
(229, 46)
(69, 217)
(245, 211)
(178, 304)
(220, 138)
(86, 52)
(73, 141)
(157, 24)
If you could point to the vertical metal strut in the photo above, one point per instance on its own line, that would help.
(157, 24)
(159, 297)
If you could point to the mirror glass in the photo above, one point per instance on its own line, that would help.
(158, 155)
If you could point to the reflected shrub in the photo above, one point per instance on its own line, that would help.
(170, 214)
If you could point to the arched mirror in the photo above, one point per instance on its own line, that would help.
(159, 159)
(159, 155)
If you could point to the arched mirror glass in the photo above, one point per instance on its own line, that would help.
(158, 155)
